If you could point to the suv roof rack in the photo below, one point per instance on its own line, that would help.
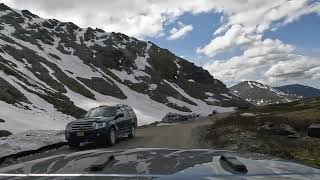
(103, 106)
(121, 105)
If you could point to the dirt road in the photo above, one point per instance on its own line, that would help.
(176, 136)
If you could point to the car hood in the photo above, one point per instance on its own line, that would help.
(163, 164)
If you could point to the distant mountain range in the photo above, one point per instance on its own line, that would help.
(260, 94)
(300, 90)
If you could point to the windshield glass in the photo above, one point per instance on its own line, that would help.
(102, 112)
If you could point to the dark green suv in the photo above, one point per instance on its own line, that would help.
(103, 124)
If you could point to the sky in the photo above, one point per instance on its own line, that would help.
(275, 42)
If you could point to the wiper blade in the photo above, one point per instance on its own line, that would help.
(101, 163)
(232, 164)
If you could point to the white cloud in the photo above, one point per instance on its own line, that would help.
(269, 61)
(142, 18)
(245, 25)
(235, 36)
(180, 33)
(138, 18)
(297, 67)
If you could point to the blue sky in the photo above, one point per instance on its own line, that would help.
(301, 33)
(204, 25)
(271, 41)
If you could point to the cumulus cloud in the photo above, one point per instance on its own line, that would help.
(181, 32)
(246, 25)
(235, 36)
(138, 18)
(298, 66)
(267, 60)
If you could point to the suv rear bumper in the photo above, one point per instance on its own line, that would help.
(88, 136)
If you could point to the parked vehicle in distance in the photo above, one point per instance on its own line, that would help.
(170, 117)
(174, 117)
(102, 124)
(214, 112)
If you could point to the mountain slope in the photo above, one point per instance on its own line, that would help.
(51, 72)
(260, 94)
(300, 90)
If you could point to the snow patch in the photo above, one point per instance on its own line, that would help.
(247, 114)
(123, 75)
(210, 99)
(29, 140)
(141, 62)
(152, 87)
(226, 95)
(41, 115)
(209, 93)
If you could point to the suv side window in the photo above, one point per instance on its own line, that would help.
(125, 112)
(119, 111)
(131, 112)
(128, 112)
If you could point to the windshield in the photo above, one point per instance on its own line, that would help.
(102, 112)
(235, 75)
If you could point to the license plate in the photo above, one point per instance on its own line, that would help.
(80, 134)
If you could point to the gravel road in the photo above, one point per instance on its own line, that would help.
(186, 135)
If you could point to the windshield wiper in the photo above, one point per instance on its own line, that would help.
(232, 164)
(101, 163)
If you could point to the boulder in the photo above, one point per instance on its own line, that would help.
(2, 121)
(293, 136)
(314, 130)
(285, 129)
(281, 129)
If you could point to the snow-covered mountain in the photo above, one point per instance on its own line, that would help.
(260, 94)
(300, 90)
(51, 72)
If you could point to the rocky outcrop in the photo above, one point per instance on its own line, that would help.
(314, 130)
(281, 129)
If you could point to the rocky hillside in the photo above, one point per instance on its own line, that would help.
(260, 94)
(300, 90)
(51, 72)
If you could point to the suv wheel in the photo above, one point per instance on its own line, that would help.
(73, 144)
(132, 131)
(112, 137)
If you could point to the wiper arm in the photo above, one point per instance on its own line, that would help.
(232, 164)
(101, 163)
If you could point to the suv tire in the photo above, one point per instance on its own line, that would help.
(132, 131)
(112, 137)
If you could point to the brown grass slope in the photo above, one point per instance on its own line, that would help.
(242, 133)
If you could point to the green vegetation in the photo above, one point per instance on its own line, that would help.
(243, 133)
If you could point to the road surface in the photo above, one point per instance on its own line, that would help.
(187, 135)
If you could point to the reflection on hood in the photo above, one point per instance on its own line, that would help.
(165, 163)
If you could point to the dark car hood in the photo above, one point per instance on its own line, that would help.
(163, 164)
